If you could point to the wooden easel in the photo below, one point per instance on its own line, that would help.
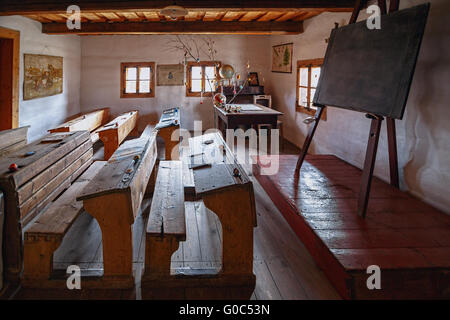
(374, 133)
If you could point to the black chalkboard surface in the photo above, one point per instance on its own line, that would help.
(371, 70)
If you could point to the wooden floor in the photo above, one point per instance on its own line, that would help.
(283, 267)
(408, 239)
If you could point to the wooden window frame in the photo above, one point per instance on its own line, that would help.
(202, 64)
(123, 67)
(301, 64)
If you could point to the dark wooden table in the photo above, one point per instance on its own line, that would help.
(232, 120)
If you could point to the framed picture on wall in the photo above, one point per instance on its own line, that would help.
(253, 79)
(282, 58)
(43, 76)
(170, 75)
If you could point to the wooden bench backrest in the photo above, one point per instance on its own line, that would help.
(167, 211)
(120, 126)
(57, 219)
(47, 151)
(89, 121)
(114, 132)
(13, 139)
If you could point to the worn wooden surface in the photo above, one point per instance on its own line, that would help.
(166, 225)
(283, 267)
(24, 200)
(44, 236)
(44, 155)
(113, 198)
(405, 237)
(11, 138)
(89, 121)
(114, 132)
(226, 190)
(169, 129)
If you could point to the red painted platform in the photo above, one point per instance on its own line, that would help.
(408, 239)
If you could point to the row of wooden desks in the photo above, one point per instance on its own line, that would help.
(225, 189)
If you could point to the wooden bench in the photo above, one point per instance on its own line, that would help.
(113, 198)
(166, 225)
(45, 235)
(89, 121)
(225, 189)
(45, 169)
(169, 129)
(114, 132)
(13, 139)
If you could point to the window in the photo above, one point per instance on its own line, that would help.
(308, 73)
(137, 80)
(201, 77)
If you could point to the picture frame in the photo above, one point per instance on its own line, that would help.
(43, 76)
(253, 79)
(170, 75)
(282, 58)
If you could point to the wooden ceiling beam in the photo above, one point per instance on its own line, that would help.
(170, 27)
(11, 7)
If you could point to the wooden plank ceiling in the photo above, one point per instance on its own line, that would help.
(143, 17)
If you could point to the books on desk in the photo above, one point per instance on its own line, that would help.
(245, 107)
(170, 117)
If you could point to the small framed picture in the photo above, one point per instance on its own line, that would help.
(253, 79)
(282, 58)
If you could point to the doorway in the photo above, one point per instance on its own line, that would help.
(9, 78)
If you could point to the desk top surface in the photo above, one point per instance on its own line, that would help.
(264, 111)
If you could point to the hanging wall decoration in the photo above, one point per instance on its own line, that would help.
(203, 49)
(43, 76)
(170, 75)
(282, 58)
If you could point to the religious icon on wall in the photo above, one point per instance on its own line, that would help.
(253, 79)
(43, 76)
(282, 58)
(170, 75)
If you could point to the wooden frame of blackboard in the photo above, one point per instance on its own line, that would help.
(371, 70)
(376, 121)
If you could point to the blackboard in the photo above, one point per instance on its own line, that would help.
(371, 70)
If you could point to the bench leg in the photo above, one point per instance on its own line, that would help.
(115, 216)
(158, 253)
(110, 143)
(38, 258)
(171, 137)
(236, 214)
